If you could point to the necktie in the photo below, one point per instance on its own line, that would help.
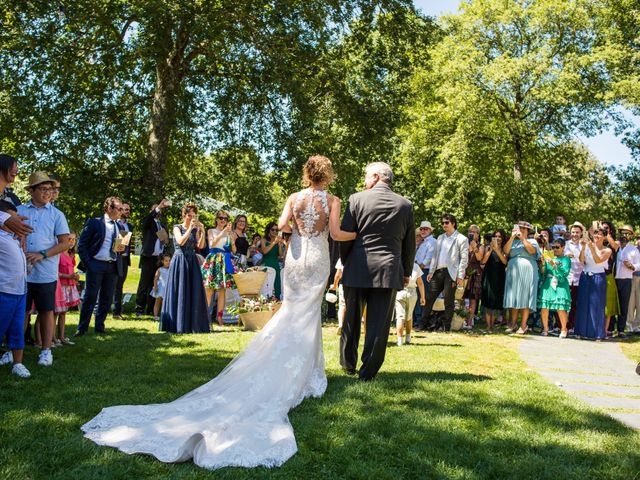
(113, 239)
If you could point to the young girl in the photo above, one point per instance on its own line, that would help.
(160, 284)
(66, 291)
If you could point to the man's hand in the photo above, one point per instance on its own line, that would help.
(460, 282)
(429, 277)
(423, 302)
(34, 257)
(405, 280)
(16, 224)
(164, 203)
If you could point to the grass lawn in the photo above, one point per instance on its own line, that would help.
(133, 275)
(631, 348)
(448, 406)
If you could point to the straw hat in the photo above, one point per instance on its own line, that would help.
(523, 224)
(38, 178)
(425, 224)
(628, 228)
(579, 225)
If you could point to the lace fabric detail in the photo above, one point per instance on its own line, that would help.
(239, 418)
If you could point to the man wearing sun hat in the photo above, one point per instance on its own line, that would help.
(50, 236)
(627, 263)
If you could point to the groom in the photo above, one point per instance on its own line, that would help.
(376, 265)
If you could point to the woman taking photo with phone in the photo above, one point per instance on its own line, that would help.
(495, 262)
(272, 249)
(218, 269)
(555, 293)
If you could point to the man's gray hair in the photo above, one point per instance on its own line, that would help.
(383, 170)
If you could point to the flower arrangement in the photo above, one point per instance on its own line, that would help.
(259, 304)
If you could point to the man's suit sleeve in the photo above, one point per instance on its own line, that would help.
(85, 240)
(464, 254)
(348, 225)
(409, 244)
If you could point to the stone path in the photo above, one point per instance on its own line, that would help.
(597, 373)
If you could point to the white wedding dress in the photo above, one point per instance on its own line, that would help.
(240, 417)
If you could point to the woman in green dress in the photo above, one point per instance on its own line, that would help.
(272, 248)
(555, 292)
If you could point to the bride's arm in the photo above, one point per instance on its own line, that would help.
(284, 224)
(334, 223)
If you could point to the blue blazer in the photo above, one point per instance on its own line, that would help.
(90, 242)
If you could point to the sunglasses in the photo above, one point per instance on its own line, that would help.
(274, 230)
(446, 222)
(226, 219)
(424, 228)
(557, 247)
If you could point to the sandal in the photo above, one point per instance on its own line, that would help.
(219, 318)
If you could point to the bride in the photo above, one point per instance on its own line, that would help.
(281, 366)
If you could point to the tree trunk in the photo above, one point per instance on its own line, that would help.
(519, 195)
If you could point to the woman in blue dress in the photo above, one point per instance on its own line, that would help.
(592, 290)
(184, 309)
(521, 283)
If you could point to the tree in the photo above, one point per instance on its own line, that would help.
(492, 126)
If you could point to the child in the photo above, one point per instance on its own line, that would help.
(160, 285)
(560, 228)
(13, 294)
(405, 302)
(66, 292)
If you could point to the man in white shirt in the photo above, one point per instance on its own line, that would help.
(447, 269)
(424, 254)
(572, 250)
(627, 263)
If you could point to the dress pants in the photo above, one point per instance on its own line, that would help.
(441, 281)
(144, 300)
(624, 293)
(101, 279)
(633, 317)
(380, 304)
(117, 298)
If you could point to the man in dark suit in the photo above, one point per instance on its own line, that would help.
(376, 264)
(153, 244)
(125, 228)
(102, 259)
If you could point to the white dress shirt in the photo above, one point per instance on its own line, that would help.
(629, 252)
(425, 251)
(157, 249)
(577, 266)
(443, 257)
(13, 274)
(104, 253)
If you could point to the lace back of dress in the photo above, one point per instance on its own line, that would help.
(311, 212)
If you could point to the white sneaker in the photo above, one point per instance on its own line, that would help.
(20, 370)
(399, 341)
(46, 358)
(407, 338)
(7, 358)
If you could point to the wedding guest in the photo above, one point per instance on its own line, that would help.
(13, 294)
(218, 267)
(101, 257)
(628, 262)
(572, 251)
(633, 316)
(612, 306)
(521, 281)
(254, 256)
(406, 300)
(545, 235)
(473, 289)
(154, 240)
(272, 249)
(66, 292)
(125, 228)
(10, 218)
(560, 227)
(184, 307)
(49, 238)
(447, 270)
(555, 293)
(240, 238)
(418, 239)
(592, 294)
(493, 280)
(424, 253)
(55, 190)
(160, 284)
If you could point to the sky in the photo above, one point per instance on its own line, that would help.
(605, 146)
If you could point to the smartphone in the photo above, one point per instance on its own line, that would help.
(595, 224)
(280, 234)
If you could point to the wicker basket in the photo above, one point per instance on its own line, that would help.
(249, 283)
(457, 321)
(255, 320)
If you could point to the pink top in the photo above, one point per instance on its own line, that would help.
(67, 266)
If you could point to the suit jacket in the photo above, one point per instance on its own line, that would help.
(149, 230)
(91, 240)
(383, 252)
(457, 257)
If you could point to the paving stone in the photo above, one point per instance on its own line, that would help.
(611, 402)
(630, 419)
(600, 388)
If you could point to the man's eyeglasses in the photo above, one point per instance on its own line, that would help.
(46, 189)
(424, 228)
(446, 222)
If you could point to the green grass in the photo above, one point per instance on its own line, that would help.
(449, 406)
(133, 275)
(631, 347)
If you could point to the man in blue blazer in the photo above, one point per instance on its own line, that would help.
(101, 255)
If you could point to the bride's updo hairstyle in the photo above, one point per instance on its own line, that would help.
(318, 170)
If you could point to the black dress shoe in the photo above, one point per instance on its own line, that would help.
(79, 333)
(349, 371)
(101, 332)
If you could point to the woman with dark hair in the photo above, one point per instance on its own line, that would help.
(254, 257)
(545, 235)
(555, 293)
(184, 308)
(473, 289)
(8, 172)
(495, 262)
(240, 237)
(272, 249)
(612, 305)
(592, 290)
